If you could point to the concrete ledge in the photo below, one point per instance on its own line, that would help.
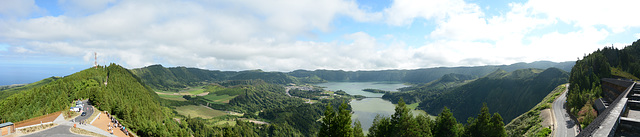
(94, 119)
(611, 121)
(607, 122)
(33, 125)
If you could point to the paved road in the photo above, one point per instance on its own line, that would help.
(58, 131)
(62, 130)
(565, 126)
(286, 89)
(87, 108)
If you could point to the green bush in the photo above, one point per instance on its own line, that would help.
(544, 132)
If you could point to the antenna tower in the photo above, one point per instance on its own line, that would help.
(95, 60)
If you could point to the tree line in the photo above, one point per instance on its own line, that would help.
(403, 124)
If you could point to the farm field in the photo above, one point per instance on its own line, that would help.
(219, 98)
(172, 97)
(199, 111)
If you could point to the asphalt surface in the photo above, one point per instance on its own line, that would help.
(87, 108)
(565, 126)
(63, 130)
(58, 131)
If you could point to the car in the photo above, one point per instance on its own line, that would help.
(83, 114)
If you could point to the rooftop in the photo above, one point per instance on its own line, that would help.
(6, 124)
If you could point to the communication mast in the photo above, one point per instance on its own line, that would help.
(95, 60)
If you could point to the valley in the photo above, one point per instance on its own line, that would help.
(204, 102)
(365, 110)
(319, 68)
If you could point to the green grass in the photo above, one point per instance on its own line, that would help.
(199, 111)
(190, 90)
(417, 112)
(224, 122)
(162, 91)
(193, 90)
(413, 106)
(618, 72)
(213, 88)
(212, 98)
(172, 97)
(196, 92)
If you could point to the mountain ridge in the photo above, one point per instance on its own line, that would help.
(498, 90)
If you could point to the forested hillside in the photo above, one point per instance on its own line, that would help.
(176, 78)
(256, 100)
(422, 75)
(124, 96)
(606, 63)
(429, 91)
(509, 93)
(531, 123)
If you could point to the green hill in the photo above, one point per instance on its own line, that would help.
(174, 79)
(177, 78)
(510, 93)
(530, 123)
(135, 104)
(427, 91)
(425, 75)
(7, 91)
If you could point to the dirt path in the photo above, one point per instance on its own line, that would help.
(547, 120)
(257, 122)
(203, 94)
(103, 121)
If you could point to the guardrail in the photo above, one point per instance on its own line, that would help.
(607, 121)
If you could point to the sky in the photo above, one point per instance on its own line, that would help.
(44, 38)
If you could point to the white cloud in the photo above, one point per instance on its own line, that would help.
(22, 50)
(403, 12)
(246, 34)
(224, 34)
(568, 46)
(585, 13)
(18, 8)
(466, 36)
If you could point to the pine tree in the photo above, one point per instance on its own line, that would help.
(401, 120)
(336, 124)
(485, 125)
(381, 127)
(479, 126)
(357, 129)
(424, 125)
(497, 126)
(446, 124)
(343, 121)
(327, 121)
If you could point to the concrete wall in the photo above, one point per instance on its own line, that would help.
(606, 122)
(612, 88)
(6, 130)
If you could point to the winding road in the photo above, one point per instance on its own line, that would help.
(62, 130)
(565, 126)
(87, 108)
(58, 131)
